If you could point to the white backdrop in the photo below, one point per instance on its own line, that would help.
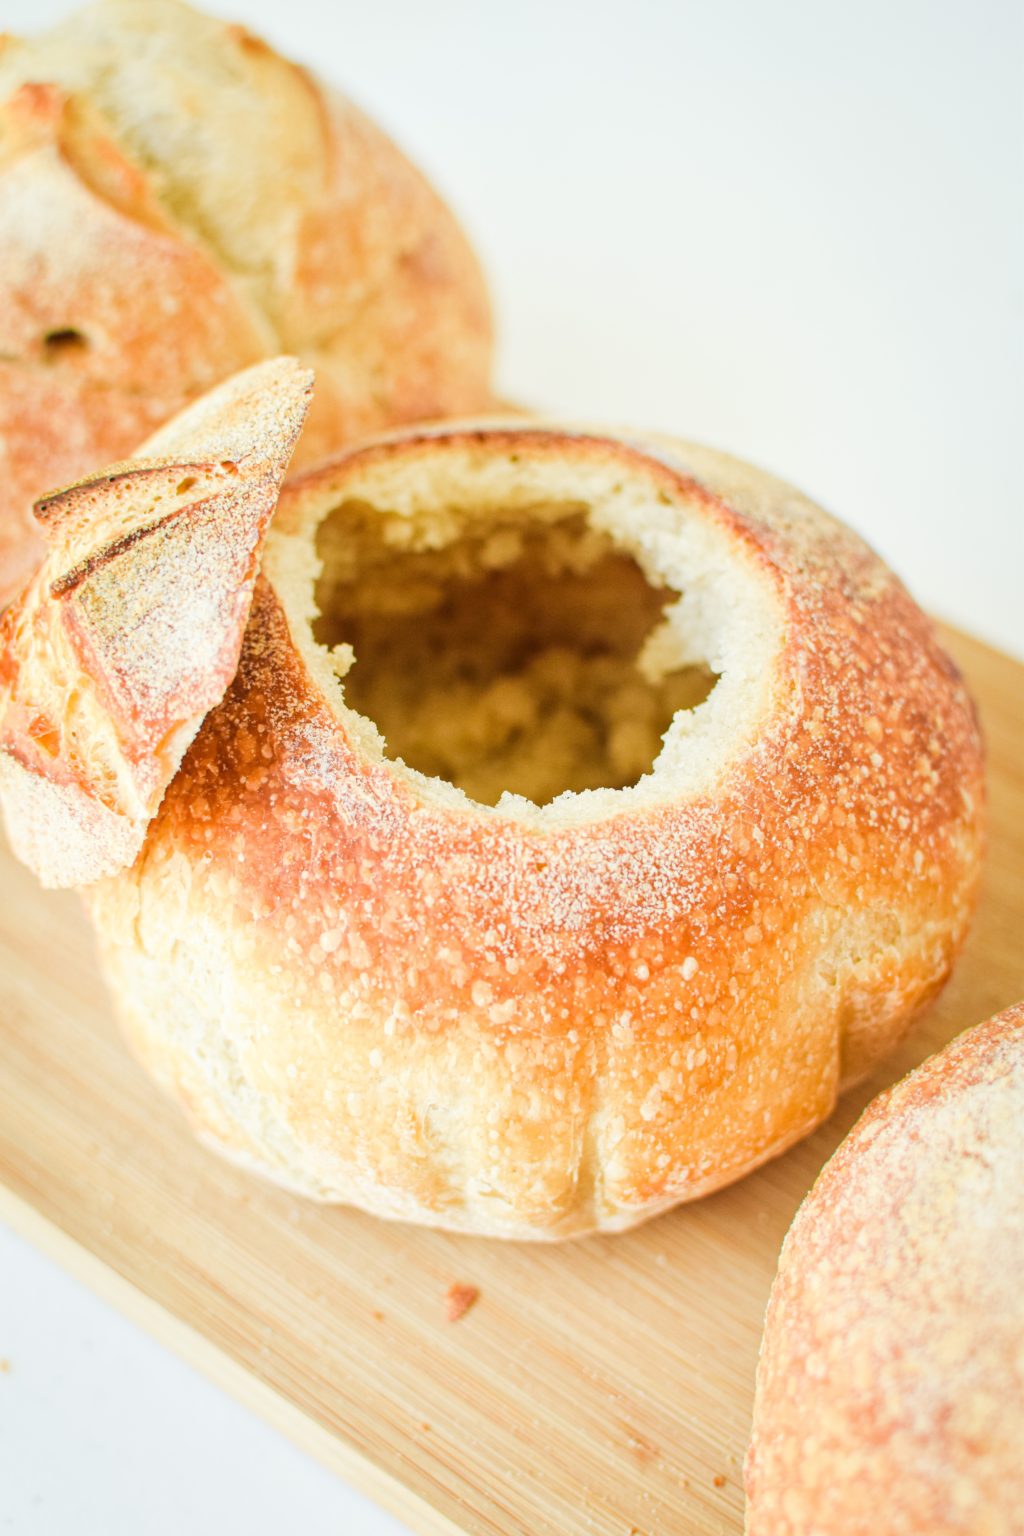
(793, 230)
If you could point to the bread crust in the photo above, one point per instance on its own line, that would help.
(537, 1024)
(122, 298)
(890, 1388)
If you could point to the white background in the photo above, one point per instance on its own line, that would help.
(793, 230)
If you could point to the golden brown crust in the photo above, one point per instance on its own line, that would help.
(131, 630)
(891, 1382)
(122, 297)
(530, 1028)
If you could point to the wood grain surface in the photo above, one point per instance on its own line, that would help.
(602, 1387)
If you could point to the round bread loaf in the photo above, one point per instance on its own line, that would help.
(177, 201)
(890, 1389)
(583, 814)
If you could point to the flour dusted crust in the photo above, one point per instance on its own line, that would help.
(534, 1020)
(890, 1391)
(150, 249)
(132, 627)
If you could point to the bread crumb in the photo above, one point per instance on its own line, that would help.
(719, 1480)
(459, 1299)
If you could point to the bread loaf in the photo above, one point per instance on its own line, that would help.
(890, 1389)
(674, 823)
(177, 201)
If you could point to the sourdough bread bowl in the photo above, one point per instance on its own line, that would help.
(674, 823)
(177, 201)
(890, 1389)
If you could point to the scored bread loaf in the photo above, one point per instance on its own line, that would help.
(890, 1389)
(674, 823)
(177, 201)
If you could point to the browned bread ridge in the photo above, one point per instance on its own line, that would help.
(675, 822)
(890, 1389)
(177, 201)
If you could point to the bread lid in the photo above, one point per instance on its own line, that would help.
(131, 630)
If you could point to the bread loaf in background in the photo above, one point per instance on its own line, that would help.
(177, 201)
(675, 821)
(890, 1389)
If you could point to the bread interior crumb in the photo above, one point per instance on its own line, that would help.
(521, 657)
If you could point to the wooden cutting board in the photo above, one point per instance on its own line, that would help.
(602, 1387)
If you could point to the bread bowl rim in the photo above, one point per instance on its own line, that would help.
(702, 744)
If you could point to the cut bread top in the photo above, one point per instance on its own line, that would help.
(132, 628)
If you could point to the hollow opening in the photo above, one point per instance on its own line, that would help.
(61, 344)
(520, 654)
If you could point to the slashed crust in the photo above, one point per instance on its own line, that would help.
(110, 322)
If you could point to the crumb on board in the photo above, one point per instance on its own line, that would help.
(378, 1316)
(459, 1298)
(719, 1479)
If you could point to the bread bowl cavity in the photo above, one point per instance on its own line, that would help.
(591, 575)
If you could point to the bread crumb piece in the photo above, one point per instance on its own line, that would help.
(719, 1480)
(459, 1299)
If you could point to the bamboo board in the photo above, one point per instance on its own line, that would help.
(602, 1387)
